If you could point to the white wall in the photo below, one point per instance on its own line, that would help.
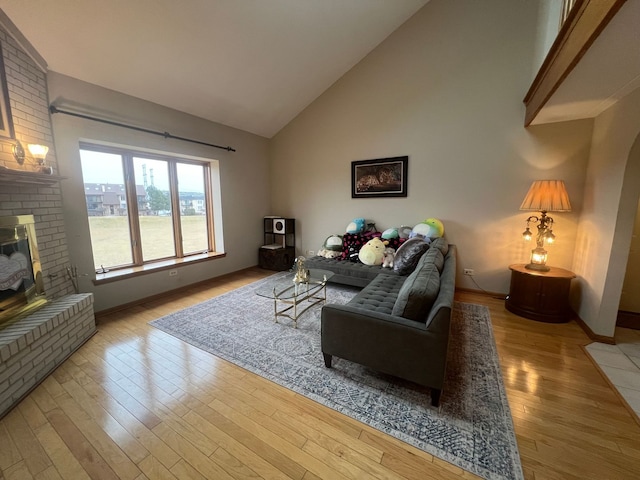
(445, 89)
(548, 26)
(243, 176)
(611, 197)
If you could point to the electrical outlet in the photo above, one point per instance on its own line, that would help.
(173, 273)
(310, 253)
(469, 271)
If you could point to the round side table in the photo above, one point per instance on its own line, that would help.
(541, 296)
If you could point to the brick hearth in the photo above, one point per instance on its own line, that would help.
(32, 347)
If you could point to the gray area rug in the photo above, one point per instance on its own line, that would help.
(472, 428)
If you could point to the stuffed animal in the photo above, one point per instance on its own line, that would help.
(404, 232)
(390, 233)
(372, 252)
(333, 242)
(437, 228)
(389, 256)
(430, 228)
(323, 252)
(356, 226)
(352, 254)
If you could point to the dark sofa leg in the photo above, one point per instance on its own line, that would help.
(327, 360)
(435, 396)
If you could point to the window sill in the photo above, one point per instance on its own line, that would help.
(126, 273)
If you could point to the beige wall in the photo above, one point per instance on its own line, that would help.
(445, 89)
(611, 197)
(243, 176)
(629, 299)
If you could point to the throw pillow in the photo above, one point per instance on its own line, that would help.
(353, 242)
(417, 294)
(433, 256)
(408, 255)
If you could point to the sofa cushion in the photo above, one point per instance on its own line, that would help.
(355, 270)
(418, 293)
(380, 295)
(441, 244)
(408, 255)
(433, 256)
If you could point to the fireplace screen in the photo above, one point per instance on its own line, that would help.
(20, 269)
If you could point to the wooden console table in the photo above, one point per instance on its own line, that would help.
(542, 296)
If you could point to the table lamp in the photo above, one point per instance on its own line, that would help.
(543, 196)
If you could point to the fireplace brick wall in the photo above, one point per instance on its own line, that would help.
(29, 101)
(33, 346)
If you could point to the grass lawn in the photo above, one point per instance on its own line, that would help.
(112, 245)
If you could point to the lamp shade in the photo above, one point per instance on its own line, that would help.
(38, 151)
(547, 196)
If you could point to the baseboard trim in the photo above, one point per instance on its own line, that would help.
(628, 320)
(495, 295)
(592, 335)
(105, 313)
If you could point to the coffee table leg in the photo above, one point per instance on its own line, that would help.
(275, 306)
(295, 313)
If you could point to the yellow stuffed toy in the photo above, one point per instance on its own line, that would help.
(372, 252)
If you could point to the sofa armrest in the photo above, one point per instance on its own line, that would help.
(390, 344)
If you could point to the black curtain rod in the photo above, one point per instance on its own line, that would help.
(53, 109)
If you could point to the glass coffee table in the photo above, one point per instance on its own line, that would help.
(296, 298)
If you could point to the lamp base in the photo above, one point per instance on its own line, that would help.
(537, 266)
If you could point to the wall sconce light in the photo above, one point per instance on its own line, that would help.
(37, 152)
(543, 196)
(18, 153)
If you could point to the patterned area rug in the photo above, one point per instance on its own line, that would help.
(472, 428)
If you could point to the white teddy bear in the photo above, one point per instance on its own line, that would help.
(323, 252)
(389, 257)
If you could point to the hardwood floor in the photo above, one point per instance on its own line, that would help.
(136, 403)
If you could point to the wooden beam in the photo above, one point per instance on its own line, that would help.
(587, 20)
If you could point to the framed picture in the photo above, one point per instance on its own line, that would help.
(382, 177)
(6, 120)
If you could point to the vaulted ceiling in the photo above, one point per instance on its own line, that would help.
(248, 64)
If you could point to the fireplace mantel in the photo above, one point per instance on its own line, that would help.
(9, 177)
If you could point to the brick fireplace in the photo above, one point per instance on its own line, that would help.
(35, 344)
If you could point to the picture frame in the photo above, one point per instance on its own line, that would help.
(380, 177)
(6, 119)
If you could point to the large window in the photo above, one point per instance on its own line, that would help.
(145, 208)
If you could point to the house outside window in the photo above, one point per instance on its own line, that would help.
(144, 208)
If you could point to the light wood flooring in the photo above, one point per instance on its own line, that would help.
(136, 403)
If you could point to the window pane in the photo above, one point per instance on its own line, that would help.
(193, 210)
(107, 208)
(154, 205)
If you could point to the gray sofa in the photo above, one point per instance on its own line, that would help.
(398, 325)
(348, 273)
